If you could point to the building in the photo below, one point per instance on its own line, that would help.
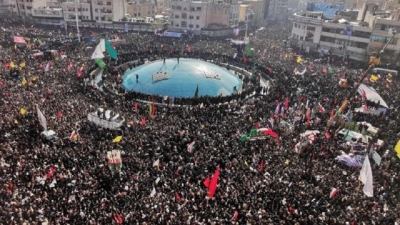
(4, 6)
(107, 11)
(349, 38)
(24, 8)
(82, 9)
(193, 16)
(257, 12)
(277, 9)
(141, 9)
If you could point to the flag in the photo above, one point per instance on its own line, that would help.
(320, 108)
(177, 196)
(299, 59)
(98, 53)
(235, 215)
(261, 166)
(156, 163)
(110, 50)
(80, 71)
(397, 149)
(347, 134)
(22, 111)
(51, 172)
(333, 193)
(332, 113)
(47, 68)
(206, 182)
(327, 135)
(12, 65)
(135, 106)
(196, 93)
(188, 49)
(100, 63)
(117, 139)
(118, 219)
(42, 119)
(74, 136)
(24, 82)
(59, 115)
(143, 122)
(248, 50)
(243, 138)
(308, 115)
(278, 108)
(213, 183)
(70, 65)
(153, 193)
(374, 78)
(22, 65)
(190, 147)
(366, 177)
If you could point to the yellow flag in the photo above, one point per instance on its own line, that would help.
(12, 65)
(15, 121)
(286, 56)
(70, 33)
(22, 65)
(24, 81)
(287, 161)
(15, 47)
(22, 111)
(299, 59)
(245, 162)
(397, 149)
(374, 78)
(117, 139)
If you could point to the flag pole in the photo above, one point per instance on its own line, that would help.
(77, 21)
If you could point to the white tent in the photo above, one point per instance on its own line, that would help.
(371, 95)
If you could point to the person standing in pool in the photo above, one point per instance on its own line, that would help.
(137, 78)
(178, 58)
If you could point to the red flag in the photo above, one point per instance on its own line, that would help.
(236, 215)
(51, 172)
(261, 167)
(320, 108)
(206, 182)
(7, 65)
(324, 70)
(332, 113)
(256, 126)
(143, 122)
(244, 59)
(213, 183)
(365, 100)
(286, 103)
(59, 115)
(308, 115)
(135, 106)
(188, 48)
(80, 71)
(118, 219)
(1, 84)
(327, 135)
(269, 132)
(178, 197)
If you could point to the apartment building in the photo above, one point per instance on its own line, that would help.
(192, 16)
(141, 9)
(352, 39)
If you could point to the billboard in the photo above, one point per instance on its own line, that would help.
(328, 9)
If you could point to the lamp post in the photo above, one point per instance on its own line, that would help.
(374, 61)
(77, 21)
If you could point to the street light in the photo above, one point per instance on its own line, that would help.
(77, 22)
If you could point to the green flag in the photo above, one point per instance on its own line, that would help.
(110, 50)
(252, 132)
(100, 63)
(243, 138)
(247, 50)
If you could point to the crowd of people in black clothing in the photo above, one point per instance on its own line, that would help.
(68, 181)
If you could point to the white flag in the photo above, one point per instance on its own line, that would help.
(156, 163)
(102, 45)
(366, 177)
(98, 53)
(153, 193)
(42, 119)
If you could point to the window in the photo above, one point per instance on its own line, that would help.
(191, 26)
(183, 24)
(177, 25)
(381, 39)
(148, 12)
(197, 26)
(103, 18)
(96, 10)
(108, 3)
(172, 24)
(173, 7)
(97, 18)
(310, 28)
(184, 16)
(198, 8)
(134, 15)
(178, 7)
(176, 16)
(327, 39)
(191, 17)
(197, 17)
(138, 14)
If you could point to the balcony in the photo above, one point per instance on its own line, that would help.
(307, 20)
(47, 13)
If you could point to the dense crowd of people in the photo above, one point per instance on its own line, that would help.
(261, 181)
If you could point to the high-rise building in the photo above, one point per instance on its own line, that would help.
(277, 9)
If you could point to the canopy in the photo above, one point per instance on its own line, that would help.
(371, 95)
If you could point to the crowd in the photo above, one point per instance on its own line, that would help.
(68, 181)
